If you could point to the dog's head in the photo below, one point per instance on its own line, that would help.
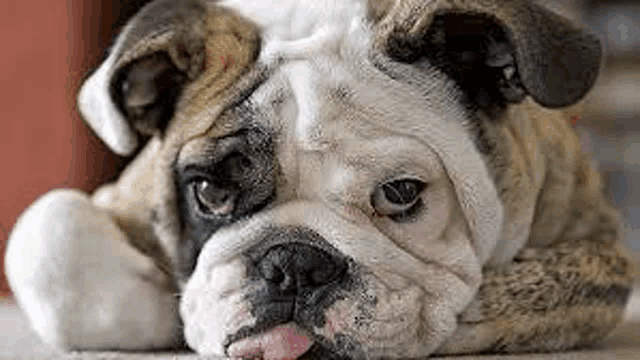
(319, 173)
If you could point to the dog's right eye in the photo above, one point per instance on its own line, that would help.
(398, 199)
(214, 199)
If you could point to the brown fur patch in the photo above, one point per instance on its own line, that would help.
(569, 285)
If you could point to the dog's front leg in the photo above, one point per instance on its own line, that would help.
(566, 295)
(81, 282)
(561, 298)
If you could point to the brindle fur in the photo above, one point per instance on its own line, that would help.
(569, 285)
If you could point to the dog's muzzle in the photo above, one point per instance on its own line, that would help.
(291, 275)
(296, 268)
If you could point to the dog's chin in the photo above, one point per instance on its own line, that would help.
(350, 329)
(335, 340)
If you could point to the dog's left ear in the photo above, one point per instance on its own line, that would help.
(498, 51)
(167, 45)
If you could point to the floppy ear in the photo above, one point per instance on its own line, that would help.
(498, 51)
(167, 45)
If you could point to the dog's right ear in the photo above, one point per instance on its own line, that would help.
(163, 48)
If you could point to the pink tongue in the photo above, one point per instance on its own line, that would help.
(285, 342)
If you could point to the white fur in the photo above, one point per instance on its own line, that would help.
(302, 81)
(294, 20)
(99, 111)
(79, 282)
(213, 296)
(299, 29)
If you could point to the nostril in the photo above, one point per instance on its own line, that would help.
(296, 266)
(271, 272)
(322, 274)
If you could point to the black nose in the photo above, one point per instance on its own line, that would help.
(295, 267)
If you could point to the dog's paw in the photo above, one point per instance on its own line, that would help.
(79, 282)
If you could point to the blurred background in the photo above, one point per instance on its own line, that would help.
(51, 46)
(610, 122)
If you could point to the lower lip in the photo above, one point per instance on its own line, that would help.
(285, 342)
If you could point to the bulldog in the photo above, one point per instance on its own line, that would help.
(352, 179)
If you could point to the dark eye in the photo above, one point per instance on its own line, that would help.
(214, 199)
(398, 199)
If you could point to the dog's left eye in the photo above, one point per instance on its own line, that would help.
(398, 199)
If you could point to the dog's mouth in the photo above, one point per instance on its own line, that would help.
(283, 342)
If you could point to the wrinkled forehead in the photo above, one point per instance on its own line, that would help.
(327, 104)
(325, 85)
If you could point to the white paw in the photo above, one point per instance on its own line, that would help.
(81, 285)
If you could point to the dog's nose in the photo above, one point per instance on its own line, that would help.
(294, 267)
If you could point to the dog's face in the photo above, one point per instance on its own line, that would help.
(317, 176)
